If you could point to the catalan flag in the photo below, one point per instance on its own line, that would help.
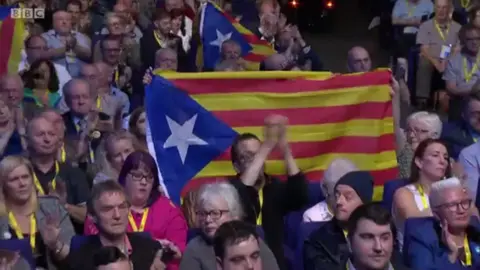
(12, 34)
(195, 117)
(217, 27)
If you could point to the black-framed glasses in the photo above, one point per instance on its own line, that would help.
(139, 177)
(214, 214)
(455, 206)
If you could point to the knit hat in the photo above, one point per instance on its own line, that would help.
(361, 182)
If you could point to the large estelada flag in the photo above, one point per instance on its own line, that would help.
(217, 27)
(194, 118)
(12, 34)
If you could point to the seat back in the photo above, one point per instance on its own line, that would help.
(22, 246)
(304, 232)
(410, 226)
(389, 189)
(79, 240)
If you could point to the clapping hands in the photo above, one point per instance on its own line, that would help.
(275, 131)
(51, 232)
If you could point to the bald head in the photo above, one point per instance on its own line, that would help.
(359, 60)
(275, 62)
(11, 89)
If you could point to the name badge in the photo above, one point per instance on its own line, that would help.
(410, 30)
(445, 52)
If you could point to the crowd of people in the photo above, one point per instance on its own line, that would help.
(80, 190)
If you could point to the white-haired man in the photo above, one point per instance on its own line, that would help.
(451, 238)
(323, 211)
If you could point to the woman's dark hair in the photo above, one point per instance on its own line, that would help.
(419, 153)
(133, 162)
(107, 255)
(472, 14)
(132, 122)
(32, 73)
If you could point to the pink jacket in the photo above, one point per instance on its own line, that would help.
(164, 221)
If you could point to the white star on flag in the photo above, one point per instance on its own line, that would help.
(220, 39)
(182, 136)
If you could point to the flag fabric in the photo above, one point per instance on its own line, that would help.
(12, 34)
(217, 27)
(194, 118)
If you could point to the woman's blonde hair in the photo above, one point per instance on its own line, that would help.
(7, 166)
(103, 151)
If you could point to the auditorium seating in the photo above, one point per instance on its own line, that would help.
(389, 189)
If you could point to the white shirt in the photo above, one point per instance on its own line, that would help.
(62, 73)
(318, 213)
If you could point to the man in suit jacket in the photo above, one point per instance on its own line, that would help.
(450, 239)
(371, 234)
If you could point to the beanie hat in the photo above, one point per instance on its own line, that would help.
(361, 182)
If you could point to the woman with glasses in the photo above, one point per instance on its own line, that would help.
(450, 240)
(420, 126)
(430, 164)
(150, 212)
(41, 88)
(216, 204)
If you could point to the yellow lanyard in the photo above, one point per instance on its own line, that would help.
(142, 222)
(157, 38)
(423, 197)
(442, 34)
(465, 3)
(468, 253)
(411, 9)
(18, 232)
(345, 233)
(468, 75)
(116, 75)
(54, 181)
(63, 154)
(474, 139)
(99, 103)
(260, 200)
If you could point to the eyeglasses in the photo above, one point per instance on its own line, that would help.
(139, 177)
(455, 206)
(214, 214)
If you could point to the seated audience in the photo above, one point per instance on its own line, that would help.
(24, 215)
(64, 152)
(116, 148)
(462, 133)
(327, 248)
(461, 72)
(11, 91)
(371, 235)
(420, 126)
(217, 204)
(438, 38)
(323, 211)
(236, 243)
(109, 258)
(149, 210)
(41, 88)
(450, 239)
(109, 208)
(430, 164)
(11, 136)
(265, 199)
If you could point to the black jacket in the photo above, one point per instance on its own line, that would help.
(279, 198)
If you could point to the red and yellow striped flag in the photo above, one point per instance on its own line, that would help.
(330, 116)
(12, 34)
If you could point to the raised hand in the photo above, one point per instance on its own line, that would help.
(51, 232)
(8, 263)
(169, 245)
(449, 241)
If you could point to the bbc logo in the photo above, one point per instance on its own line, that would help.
(27, 13)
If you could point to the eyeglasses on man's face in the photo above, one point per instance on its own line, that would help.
(213, 214)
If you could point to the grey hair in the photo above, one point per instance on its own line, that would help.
(164, 50)
(437, 189)
(67, 88)
(15, 77)
(337, 168)
(431, 120)
(225, 191)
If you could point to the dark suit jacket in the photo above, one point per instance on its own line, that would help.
(457, 136)
(279, 198)
(144, 250)
(425, 250)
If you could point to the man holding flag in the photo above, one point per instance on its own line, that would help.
(265, 198)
